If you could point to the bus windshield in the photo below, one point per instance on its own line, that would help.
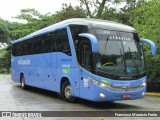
(120, 54)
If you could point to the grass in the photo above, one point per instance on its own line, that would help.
(153, 94)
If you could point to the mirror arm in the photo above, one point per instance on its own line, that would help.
(153, 46)
(92, 39)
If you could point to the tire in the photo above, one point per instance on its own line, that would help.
(67, 92)
(23, 85)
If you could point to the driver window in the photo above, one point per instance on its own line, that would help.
(85, 54)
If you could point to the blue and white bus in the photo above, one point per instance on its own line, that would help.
(87, 58)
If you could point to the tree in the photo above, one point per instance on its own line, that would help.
(36, 21)
(146, 19)
(96, 8)
(4, 31)
(96, 5)
(68, 12)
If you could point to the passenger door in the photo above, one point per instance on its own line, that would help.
(85, 69)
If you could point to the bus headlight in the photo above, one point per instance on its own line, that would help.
(143, 84)
(103, 85)
(100, 84)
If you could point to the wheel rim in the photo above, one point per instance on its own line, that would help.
(22, 82)
(68, 92)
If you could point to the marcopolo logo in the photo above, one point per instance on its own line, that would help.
(121, 85)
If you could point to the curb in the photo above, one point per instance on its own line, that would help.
(153, 94)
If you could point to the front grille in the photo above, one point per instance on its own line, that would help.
(121, 88)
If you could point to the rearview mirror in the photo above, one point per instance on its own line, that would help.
(92, 39)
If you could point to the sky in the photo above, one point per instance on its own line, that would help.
(11, 8)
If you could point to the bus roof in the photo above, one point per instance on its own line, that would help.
(97, 23)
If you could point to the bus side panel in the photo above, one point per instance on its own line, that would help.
(64, 69)
(42, 66)
(49, 72)
(34, 67)
(15, 75)
(29, 74)
(85, 88)
(77, 81)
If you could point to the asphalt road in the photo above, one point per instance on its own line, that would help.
(13, 98)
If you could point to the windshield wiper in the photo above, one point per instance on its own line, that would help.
(133, 62)
(125, 67)
(106, 45)
(136, 68)
(122, 57)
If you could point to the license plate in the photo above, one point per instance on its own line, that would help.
(126, 95)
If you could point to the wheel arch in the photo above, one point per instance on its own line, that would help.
(63, 80)
(21, 74)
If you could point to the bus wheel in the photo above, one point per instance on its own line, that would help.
(23, 85)
(67, 92)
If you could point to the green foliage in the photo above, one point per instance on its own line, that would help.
(35, 20)
(68, 12)
(4, 31)
(2, 52)
(30, 15)
(4, 38)
(5, 59)
(18, 30)
(146, 19)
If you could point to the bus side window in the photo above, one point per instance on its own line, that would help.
(15, 49)
(21, 48)
(50, 42)
(63, 42)
(35, 45)
(54, 40)
(38, 44)
(47, 43)
(29, 47)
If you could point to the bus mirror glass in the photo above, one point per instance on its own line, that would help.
(92, 39)
(153, 46)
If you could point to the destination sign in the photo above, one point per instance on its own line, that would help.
(102, 34)
(120, 38)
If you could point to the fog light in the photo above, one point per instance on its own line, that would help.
(102, 95)
(143, 93)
